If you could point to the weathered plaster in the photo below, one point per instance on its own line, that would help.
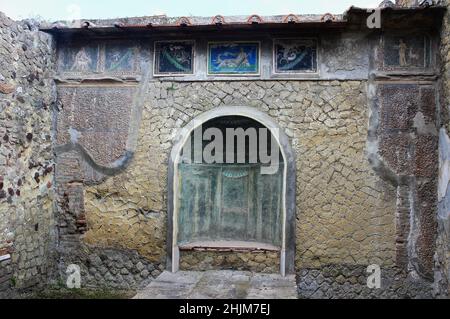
(345, 56)
(342, 55)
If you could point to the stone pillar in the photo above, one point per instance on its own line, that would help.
(442, 257)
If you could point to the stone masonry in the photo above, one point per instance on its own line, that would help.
(84, 154)
(27, 97)
(329, 116)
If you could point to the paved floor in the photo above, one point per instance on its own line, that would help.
(226, 284)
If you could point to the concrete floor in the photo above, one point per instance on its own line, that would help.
(224, 284)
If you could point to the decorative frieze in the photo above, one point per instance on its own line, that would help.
(116, 58)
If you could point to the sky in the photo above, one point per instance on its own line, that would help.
(89, 9)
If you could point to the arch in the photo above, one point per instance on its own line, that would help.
(287, 253)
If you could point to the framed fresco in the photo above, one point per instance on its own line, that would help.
(234, 58)
(293, 56)
(115, 58)
(407, 52)
(79, 59)
(174, 58)
(120, 58)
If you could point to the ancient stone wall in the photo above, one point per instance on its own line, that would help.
(350, 282)
(346, 209)
(261, 262)
(345, 212)
(109, 209)
(27, 96)
(366, 163)
(364, 132)
(442, 257)
(320, 118)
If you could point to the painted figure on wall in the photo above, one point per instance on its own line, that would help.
(82, 61)
(414, 51)
(295, 55)
(79, 59)
(119, 58)
(174, 58)
(402, 47)
(233, 58)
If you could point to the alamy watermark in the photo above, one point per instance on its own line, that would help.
(234, 146)
(374, 279)
(374, 19)
(74, 277)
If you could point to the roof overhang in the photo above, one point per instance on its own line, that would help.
(353, 18)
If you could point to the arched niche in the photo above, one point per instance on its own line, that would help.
(177, 172)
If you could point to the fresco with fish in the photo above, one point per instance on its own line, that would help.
(119, 58)
(233, 58)
(174, 57)
(295, 55)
